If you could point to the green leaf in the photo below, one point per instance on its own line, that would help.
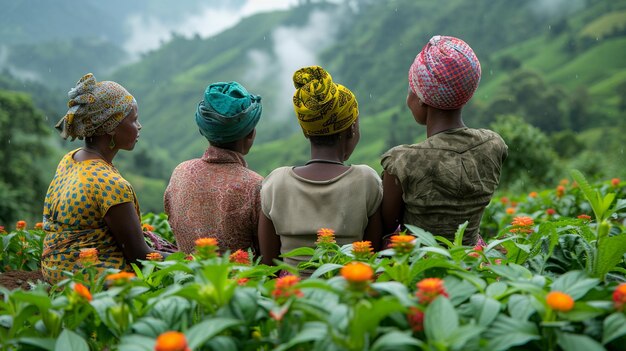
(151, 327)
(424, 237)
(367, 317)
(395, 340)
(496, 289)
(611, 252)
(485, 309)
(43, 343)
(512, 272)
(507, 332)
(440, 320)
(436, 250)
(325, 268)
(396, 289)
(201, 332)
(460, 336)
(520, 307)
(461, 289)
(38, 298)
(311, 331)
(69, 340)
(574, 283)
(136, 342)
(458, 236)
(591, 194)
(301, 251)
(614, 326)
(575, 342)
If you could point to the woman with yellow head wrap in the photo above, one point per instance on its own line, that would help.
(90, 207)
(323, 193)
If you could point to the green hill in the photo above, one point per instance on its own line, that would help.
(571, 62)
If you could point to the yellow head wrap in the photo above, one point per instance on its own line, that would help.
(322, 107)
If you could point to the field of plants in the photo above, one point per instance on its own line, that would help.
(551, 275)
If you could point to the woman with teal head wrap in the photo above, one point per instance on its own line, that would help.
(217, 195)
(228, 112)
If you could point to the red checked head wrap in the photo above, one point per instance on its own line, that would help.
(445, 74)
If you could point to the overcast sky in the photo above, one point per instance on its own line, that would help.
(148, 32)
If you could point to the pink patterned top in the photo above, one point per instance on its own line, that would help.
(214, 196)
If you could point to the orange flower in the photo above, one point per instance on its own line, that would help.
(204, 242)
(285, 287)
(82, 291)
(88, 256)
(171, 341)
(39, 225)
(20, 225)
(357, 273)
(428, 289)
(242, 281)
(615, 182)
(564, 182)
(533, 194)
(2, 231)
(619, 297)
(560, 191)
(154, 256)
(362, 249)
(415, 317)
(504, 200)
(584, 217)
(559, 301)
(522, 224)
(550, 212)
(402, 243)
(121, 277)
(147, 227)
(476, 251)
(325, 236)
(206, 247)
(240, 256)
(510, 210)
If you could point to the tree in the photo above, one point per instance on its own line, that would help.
(531, 161)
(22, 146)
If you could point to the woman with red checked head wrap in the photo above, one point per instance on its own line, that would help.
(450, 177)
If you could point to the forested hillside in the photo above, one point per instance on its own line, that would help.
(553, 83)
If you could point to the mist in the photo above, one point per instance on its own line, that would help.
(148, 32)
(292, 48)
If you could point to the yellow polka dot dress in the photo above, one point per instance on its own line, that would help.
(78, 198)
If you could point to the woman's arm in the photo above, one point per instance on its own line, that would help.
(374, 230)
(269, 242)
(125, 226)
(392, 207)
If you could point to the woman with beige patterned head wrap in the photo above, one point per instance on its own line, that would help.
(90, 207)
(323, 193)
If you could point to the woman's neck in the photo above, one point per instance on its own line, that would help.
(441, 120)
(100, 149)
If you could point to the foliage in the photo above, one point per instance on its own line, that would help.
(531, 159)
(23, 132)
(524, 289)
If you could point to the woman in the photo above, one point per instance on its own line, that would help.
(217, 195)
(324, 193)
(449, 178)
(89, 204)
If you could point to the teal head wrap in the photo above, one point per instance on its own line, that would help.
(228, 112)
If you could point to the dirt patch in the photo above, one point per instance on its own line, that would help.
(19, 279)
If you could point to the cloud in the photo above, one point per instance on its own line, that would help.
(292, 48)
(14, 71)
(149, 32)
(556, 8)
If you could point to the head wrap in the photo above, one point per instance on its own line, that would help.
(228, 112)
(95, 108)
(445, 73)
(322, 107)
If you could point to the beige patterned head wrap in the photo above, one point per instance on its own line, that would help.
(95, 108)
(322, 107)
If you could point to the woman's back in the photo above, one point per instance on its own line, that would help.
(299, 207)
